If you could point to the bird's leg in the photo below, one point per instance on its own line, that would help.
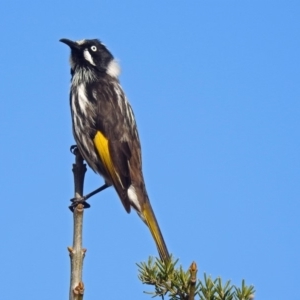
(82, 200)
(98, 190)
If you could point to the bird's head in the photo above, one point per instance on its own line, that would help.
(93, 55)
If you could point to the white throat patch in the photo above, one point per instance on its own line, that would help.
(88, 57)
(113, 69)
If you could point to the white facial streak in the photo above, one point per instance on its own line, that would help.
(88, 57)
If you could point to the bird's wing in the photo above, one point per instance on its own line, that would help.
(118, 146)
(113, 138)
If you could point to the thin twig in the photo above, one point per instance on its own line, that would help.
(193, 279)
(77, 253)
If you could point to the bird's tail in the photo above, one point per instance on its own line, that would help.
(151, 222)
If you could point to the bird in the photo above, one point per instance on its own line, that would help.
(105, 130)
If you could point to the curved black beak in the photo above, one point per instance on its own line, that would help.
(71, 44)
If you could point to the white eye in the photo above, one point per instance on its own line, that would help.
(94, 48)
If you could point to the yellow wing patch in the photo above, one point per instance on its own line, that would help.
(101, 144)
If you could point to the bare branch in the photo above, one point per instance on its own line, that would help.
(77, 253)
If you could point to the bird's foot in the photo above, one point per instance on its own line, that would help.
(78, 200)
(74, 149)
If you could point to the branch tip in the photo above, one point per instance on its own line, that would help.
(193, 279)
(193, 271)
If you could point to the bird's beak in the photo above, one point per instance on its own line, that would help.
(71, 44)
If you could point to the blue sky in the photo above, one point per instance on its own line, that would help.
(215, 89)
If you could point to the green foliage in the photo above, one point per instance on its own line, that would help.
(178, 284)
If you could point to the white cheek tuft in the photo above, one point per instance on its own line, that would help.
(113, 69)
(88, 57)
